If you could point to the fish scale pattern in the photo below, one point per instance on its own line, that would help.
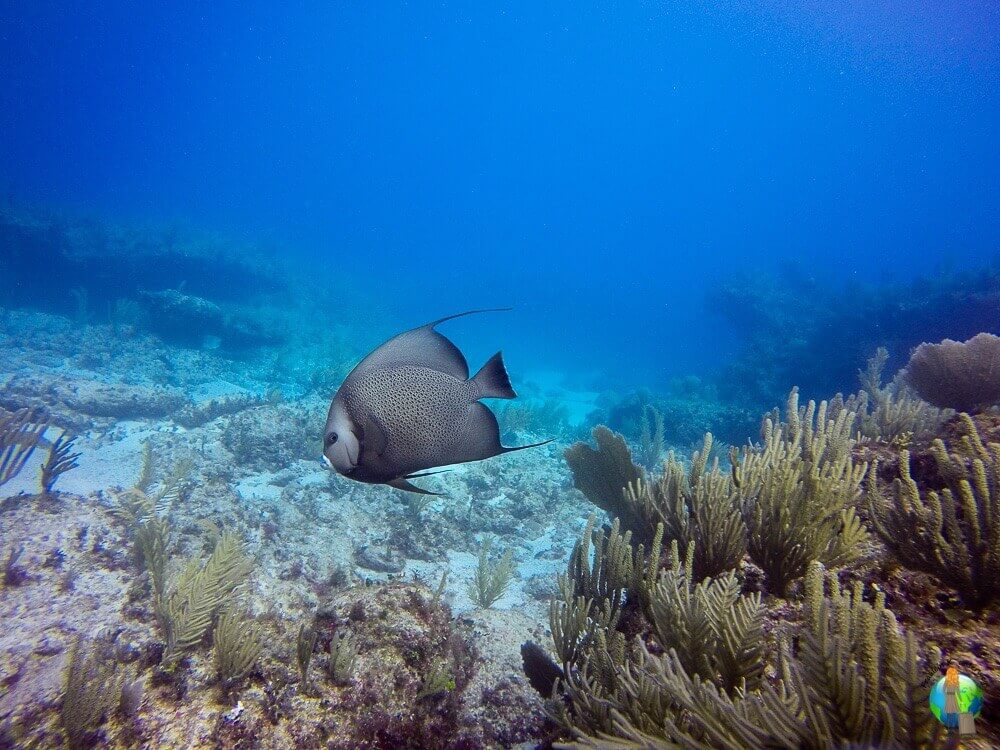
(419, 407)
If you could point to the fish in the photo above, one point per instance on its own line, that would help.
(410, 406)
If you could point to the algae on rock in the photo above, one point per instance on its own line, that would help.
(439, 679)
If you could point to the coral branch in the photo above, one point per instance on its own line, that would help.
(61, 459)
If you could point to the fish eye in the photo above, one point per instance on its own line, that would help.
(331, 438)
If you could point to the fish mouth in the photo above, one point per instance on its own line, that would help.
(329, 464)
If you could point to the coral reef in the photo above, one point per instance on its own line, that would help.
(651, 437)
(190, 320)
(807, 494)
(291, 436)
(212, 465)
(688, 407)
(539, 418)
(199, 414)
(798, 327)
(694, 677)
(714, 629)
(892, 413)
(47, 255)
(798, 493)
(699, 508)
(417, 679)
(788, 501)
(952, 533)
(65, 399)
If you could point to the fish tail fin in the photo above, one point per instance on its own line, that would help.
(505, 449)
(493, 380)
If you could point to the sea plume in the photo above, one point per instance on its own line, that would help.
(964, 376)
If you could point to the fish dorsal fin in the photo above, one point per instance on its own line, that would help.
(420, 347)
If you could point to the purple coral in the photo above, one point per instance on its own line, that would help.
(958, 375)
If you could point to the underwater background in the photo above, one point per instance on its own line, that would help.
(704, 216)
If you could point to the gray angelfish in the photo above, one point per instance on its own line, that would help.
(410, 406)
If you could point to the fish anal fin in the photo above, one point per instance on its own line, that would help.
(401, 483)
(479, 438)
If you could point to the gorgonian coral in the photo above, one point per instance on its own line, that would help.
(964, 376)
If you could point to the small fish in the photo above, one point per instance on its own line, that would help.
(410, 406)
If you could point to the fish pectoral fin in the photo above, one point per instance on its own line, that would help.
(375, 437)
(402, 484)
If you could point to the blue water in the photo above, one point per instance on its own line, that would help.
(598, 166)
(211, 211)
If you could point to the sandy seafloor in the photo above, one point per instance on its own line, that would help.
(249, 458)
